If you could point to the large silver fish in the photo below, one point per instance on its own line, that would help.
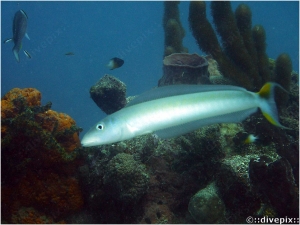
(174, 110)
(19, 31)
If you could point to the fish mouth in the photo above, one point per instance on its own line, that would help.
(88, 142)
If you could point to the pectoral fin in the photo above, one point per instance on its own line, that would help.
(16, 53)
(7, 40)
(27, 36)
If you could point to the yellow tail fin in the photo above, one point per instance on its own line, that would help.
(268, 105)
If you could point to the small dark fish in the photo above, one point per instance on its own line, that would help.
(250, 139)
(27, 54)
(19, 31)
(69, 53)
(115, 63)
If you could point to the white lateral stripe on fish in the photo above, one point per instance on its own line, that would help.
(176, 114)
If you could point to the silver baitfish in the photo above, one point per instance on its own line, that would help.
(27, 54)
(175, 110)
(19, 31)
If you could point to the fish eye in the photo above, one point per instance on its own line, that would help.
(99, 126)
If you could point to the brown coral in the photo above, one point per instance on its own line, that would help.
(50, 192)
(59, 122)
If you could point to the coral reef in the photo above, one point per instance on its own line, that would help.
(109, 93)
(39, 156)
(113, 183)
(243, 57)
(215, 76)
(157, 213)
(206, 206)
(286, 142)
(179, 168)
(25, 123)
(184, 68)
(275, 182)
(232, 41)
(50, 192)
(240, 201)
(208, 175)
(174, 32)
(125, 178)
(168, 191)
(208, 43)
(31, 216)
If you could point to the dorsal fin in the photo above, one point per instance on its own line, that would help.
(173, 90)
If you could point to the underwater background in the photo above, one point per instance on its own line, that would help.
(99, 31)
(212, 175)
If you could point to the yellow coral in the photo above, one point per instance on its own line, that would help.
(59, 122)
(37, 141)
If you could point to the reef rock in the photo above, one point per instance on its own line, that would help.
(109, 93)
(206, 206)
(126, 179)
(235, 191)
(275, 181)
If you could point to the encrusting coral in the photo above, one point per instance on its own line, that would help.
(39, 156)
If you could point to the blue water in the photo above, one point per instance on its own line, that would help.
(98, 31)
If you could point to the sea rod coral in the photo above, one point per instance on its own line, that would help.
(242, 54)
